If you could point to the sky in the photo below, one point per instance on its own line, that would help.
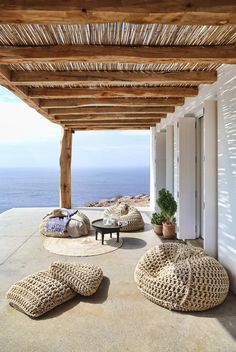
(27, 139)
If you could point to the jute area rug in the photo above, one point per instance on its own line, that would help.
(81, 247)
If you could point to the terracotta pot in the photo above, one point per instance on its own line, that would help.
(158, 229)
(168, 231)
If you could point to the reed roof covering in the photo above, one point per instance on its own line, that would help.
(110, 64)
(116, 34)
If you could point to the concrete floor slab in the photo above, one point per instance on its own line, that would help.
(117, 317)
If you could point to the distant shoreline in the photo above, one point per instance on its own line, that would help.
(139, 200)
(40, 187)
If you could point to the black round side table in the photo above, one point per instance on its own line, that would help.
(105, 229)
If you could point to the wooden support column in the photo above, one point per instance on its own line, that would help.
(65, 169)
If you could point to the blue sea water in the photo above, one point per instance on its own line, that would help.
(40, 187)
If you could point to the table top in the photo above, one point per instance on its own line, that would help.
(99, 225)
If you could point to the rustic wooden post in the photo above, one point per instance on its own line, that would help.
(65, 169)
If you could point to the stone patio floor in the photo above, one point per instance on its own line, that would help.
(117, 317)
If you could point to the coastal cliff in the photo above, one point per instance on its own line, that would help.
(140, 200)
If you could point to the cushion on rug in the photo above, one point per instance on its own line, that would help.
(82, 278)
(38, 293)
(79, 225)
(181, 277)
(128, 214)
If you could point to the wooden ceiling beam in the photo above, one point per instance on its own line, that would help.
(118, 54)
(22, 93)
(114, 77)
(111, 122)
(108, 117)
(196, 12)
(96, 119)
(111, 110)
(113, 92)
(104, 128)
(104, 123)
(141, 102)
(108, 125)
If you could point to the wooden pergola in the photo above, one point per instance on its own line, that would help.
(92, 66)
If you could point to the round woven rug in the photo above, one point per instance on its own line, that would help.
(81, 247)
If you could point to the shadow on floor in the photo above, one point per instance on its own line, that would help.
(62, 308)
(132, 243)
(99, 297)
(147, 227)
(224, 313)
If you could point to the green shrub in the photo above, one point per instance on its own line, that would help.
(167, 205)
(157, 219)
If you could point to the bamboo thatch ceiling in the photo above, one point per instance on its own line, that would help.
(84, 66)
(52, 79)
(116, 34)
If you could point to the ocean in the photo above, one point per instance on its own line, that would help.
(40, 187)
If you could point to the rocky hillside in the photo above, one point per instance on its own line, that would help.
(140, 200)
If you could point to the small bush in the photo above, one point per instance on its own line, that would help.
(167, 205)
(157, 219)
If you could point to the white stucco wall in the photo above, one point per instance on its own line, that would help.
(209, 178)
(153, 166)
(226, 96)
(224, 91)
(160, 162)
(184, 177)
(170, 158)
(157, 165)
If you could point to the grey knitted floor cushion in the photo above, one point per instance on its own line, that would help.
(82, 278)
(38, 293)
(128, 214)
(78, 226)
(179, 277)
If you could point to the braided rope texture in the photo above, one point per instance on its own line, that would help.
(180, 277)
(82, 278)
(38, 293)
(133, 217)
(78, 226)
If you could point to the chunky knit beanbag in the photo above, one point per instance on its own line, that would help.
(180, 277)
(130, 215)
(38, 293)
(78, 226)
(82, 278)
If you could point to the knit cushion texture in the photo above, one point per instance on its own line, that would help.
(82, 278)
(38, 293)
(129, 215)
(181, 277)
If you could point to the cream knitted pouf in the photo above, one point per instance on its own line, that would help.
(38, 293)
(128, 214)
(182, 278)
(82, 278)
(78, 226)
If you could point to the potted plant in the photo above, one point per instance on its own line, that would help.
(157, 220)
(168, 207)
